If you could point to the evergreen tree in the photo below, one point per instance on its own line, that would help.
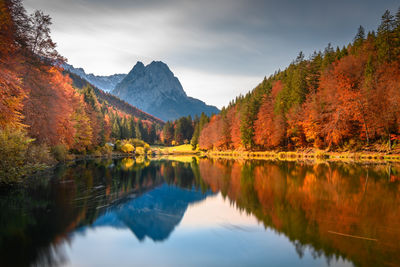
(116, 130)
(397, 33)
(139, 130)
(385, 38)
(314, 72)
(204, 119)
(196, 135)
(132, 131)
(152, 134)
(199, 124)
(298, 82)
(125, 131)
(168, 133)
(359, 39)
(329, 56)
(183, 130)
(248, 116)
(90, 97)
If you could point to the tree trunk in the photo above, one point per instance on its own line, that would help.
(365, 122)
(390, 143)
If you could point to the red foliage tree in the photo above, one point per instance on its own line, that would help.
(335, 112)
(269, 127)
(384, 110)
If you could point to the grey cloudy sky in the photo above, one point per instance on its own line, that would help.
(218, 49)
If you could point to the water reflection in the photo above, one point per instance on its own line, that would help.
(337, 209)
(328, 213)
(154, 214)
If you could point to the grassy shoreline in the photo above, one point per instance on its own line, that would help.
(310, 155)
(318, 155)
(362, 156)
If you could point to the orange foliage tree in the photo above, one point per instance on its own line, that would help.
(269, 127)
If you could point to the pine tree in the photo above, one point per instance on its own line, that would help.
(132, 132)
(397, 33)
(385, 38)
(359, 38)
(152, 134)
(314, 72)
(125, 132)
(328, 57)
(168, 133)
(248, 116)
(196, 134)
(139, 130)
(116, 130)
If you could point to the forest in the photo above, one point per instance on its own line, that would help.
(339, 98)
(46, 113)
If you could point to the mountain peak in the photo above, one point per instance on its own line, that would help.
(155, 89)
(159, 65)
(138, 69)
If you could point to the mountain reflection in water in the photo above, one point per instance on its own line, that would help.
(204, 212)
(154, 214)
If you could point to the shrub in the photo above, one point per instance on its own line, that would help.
(146, 148)
(140, 151)
(127, 148)
(137, 142)
(13, 146)
(60, 153)
(96, 153)
(39, 154)
(106, 149)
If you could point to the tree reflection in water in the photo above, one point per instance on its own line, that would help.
(335, 210)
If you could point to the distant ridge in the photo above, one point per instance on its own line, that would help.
(105, 83)
(113, 100)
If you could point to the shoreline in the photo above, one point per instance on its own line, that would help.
(365, 157)
(355, 157)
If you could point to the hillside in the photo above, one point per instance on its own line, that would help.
(113, 100)
(343, 98)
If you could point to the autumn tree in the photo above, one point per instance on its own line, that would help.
(269, 125)
(385, 102)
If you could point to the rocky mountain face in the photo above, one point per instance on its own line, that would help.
(155, 90)
(105, 83)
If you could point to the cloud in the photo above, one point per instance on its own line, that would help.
(217, 89)
(233, 40)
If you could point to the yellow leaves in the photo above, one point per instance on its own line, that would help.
(83, 131)
(127, 148)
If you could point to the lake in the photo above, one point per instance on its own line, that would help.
(187, 211)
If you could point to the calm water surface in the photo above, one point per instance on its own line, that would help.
(199, 212)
